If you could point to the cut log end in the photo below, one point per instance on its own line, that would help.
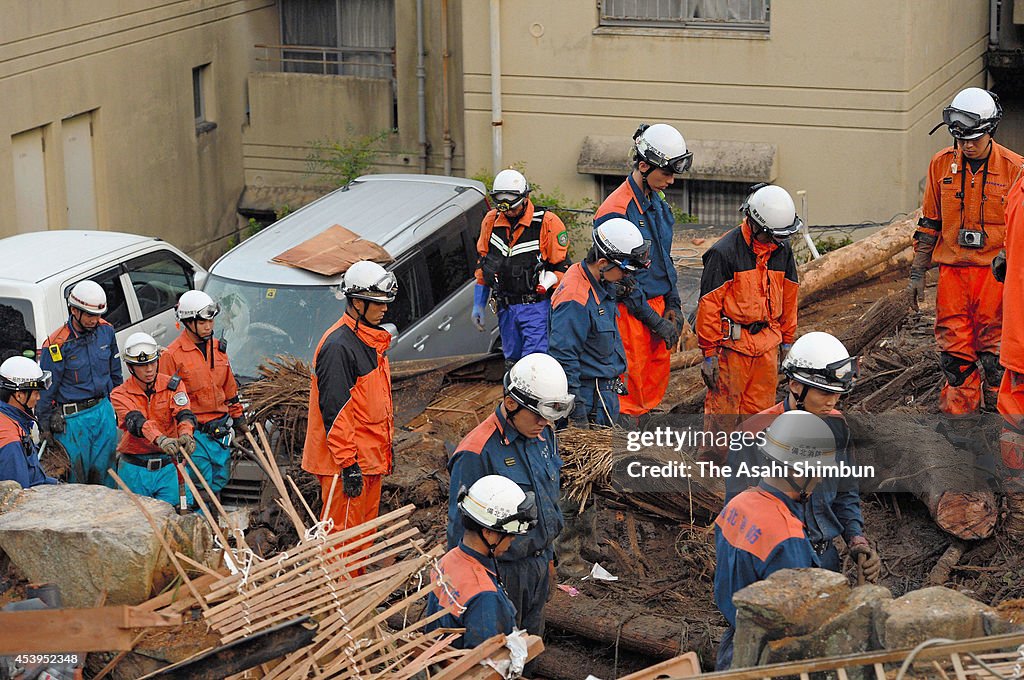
(968, 516)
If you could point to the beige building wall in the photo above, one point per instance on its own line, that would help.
(129, 63)
(291, 110)
(846, 91)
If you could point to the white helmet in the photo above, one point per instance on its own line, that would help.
(770, 208)
(618, 240)
(497, 503)
(140, 349)
(972, 113)
(820, 360)
(367, 280)
(800, 437)
(662, 146)
(195, 304)
(23, 374)
(89, 297)
(509, 190)
(538, 383)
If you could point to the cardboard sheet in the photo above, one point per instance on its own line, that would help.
(332, 252)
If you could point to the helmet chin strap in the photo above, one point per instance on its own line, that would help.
(800, 398)
(24, 404)
(82, 328)
(194, 329)
(148, 386)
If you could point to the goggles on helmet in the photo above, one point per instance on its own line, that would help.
(965, 124)
(383, 290)
(549, 409)
(840, 373)
(507, 200)
(208, 312)
(638, 258)
(677, 165)
(141, 357)
(41, 383)
(520, 522)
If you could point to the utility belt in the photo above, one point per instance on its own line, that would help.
(611, 385)
(733, 330)
(219, 428)
(821, 547)
(151, 463)
(503, 301)
(79, 406)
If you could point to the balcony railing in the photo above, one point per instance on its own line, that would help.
(367, 62)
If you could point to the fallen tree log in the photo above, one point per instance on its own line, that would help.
(840, 268)
(654, 636)
(881, 319)
(908, 454)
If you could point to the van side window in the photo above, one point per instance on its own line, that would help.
(117, 314)
(408, 306)
(159, 279)
(448, 261)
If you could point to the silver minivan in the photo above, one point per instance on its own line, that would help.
(428, 224)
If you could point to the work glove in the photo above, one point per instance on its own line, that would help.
(872, 565)
(783, 352)
(480, 296)
(241, 426)
(709, 372)
(167, 445)
(675, 316)
(187, 443)
(922, 260)
(57, 422)
(667, 331)
(352, 480)
(999, 266)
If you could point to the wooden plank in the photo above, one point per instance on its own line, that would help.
(534, 646)
(100, 629)
(472, 658)
(683, 666)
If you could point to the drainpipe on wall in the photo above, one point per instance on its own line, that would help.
(993, 23)
(495, 86)
(421, 86)
(448, 144)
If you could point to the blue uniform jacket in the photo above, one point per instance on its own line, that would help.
(83, 365)
(757, 533)
(653, 217)
(494, 447)
(19, 456)
(835, 501)
(469, 587)
(584, 334)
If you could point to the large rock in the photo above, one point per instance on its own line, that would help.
(8, 492)
(789, 603)
(935, 612)
(88, 539)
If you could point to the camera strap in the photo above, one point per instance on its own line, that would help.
(963, 189)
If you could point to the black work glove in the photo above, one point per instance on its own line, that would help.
(667, 331)
(352, 480)
(709, 372)
(241, 426)
(57, 422)
(999, 266)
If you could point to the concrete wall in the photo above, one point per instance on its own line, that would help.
(847, 91)
(130, 62)
(290, 111)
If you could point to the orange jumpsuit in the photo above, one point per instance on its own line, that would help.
(1011, 389)
(968, 305)
(753, 285)
(210, 383)
(351, 419)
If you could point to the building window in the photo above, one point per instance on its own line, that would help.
(201, 99)
(724, 14)
(339, 37)
(709, 202)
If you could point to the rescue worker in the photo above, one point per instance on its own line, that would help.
(494, 511)
(762, 530)
(202, 364)
(350, 413)
(820, 371)
(523, 254)
(650, 317)
(21, 382)
(153, 411)
(961, 229)
(83, 359)
(517, 441)
(748, 305)
(585, 338)
(1009, 269)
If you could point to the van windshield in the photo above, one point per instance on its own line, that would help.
(16, 327)
(260, 321)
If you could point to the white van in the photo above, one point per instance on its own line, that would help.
(428, 224)
(141, 275)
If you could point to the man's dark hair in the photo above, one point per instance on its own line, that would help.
(592, 256)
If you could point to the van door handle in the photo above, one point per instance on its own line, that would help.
(446, 324)
(420, 342)
(159, 331)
